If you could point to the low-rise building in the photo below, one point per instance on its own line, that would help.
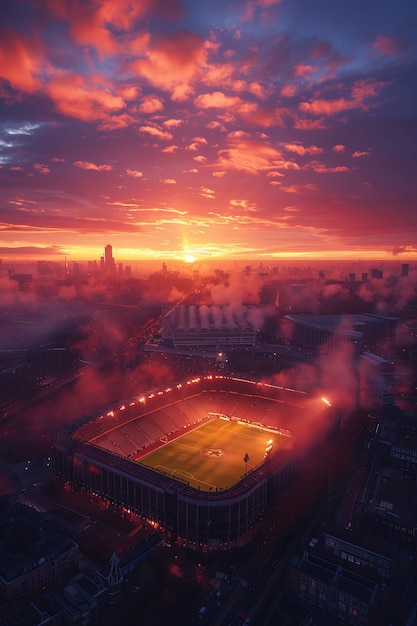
(34, 554)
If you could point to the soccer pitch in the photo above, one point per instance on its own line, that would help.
(212, 455)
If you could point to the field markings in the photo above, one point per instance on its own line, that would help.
(188, 446)
(235, 438)
(162, 468)
(179, 472)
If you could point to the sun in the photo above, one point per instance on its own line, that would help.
(189, 258)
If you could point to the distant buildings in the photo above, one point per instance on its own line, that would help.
(33, 556)
(23, 280)
(49, 270)
(316, 332)
(389, 503)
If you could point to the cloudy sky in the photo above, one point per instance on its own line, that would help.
(203, 128)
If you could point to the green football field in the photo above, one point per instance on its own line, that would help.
(212, 455)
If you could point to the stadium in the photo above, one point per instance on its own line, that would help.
(200, 460)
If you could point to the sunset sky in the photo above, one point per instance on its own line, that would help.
(196, 129)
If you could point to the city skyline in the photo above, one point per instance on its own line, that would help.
(191, 131)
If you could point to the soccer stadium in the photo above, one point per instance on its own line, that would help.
(201, 460)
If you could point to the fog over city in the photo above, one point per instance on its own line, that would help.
(82, 346)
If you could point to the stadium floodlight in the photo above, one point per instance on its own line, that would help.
(326, 401)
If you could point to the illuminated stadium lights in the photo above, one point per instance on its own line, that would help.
(268, 448)
(326, 401)
(108, 457)
(122, 408)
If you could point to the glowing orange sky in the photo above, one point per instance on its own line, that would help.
(196, 129)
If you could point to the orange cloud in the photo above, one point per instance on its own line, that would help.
(358, 153)
(170, 149)
(326, 107)
(307, 124)
(388, 46)
(251, 153)
(301, 150)
(216, 100)
(321, 168)
(78, 96)
(339, 147)
(173, 123)
(292, 189)
(302, 70)
(155, 132)
(151, 104)
(214, 124)
(92, 24)
(264, 116)
(288, 91)
(250, 7)
(87, 165)
(361, 91)
(196, 143)
(243, 204)
(134, 173)
(173, 62)
(206, 192)
(221, 74)
(42, 169)
(21, 60)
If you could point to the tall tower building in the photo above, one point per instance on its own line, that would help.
(109, 264)
(404, 269)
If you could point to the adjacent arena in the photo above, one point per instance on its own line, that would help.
(202, 460)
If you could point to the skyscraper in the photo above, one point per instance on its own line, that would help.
(109, 264)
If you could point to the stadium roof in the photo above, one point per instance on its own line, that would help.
(205, 317)
(349, 323)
